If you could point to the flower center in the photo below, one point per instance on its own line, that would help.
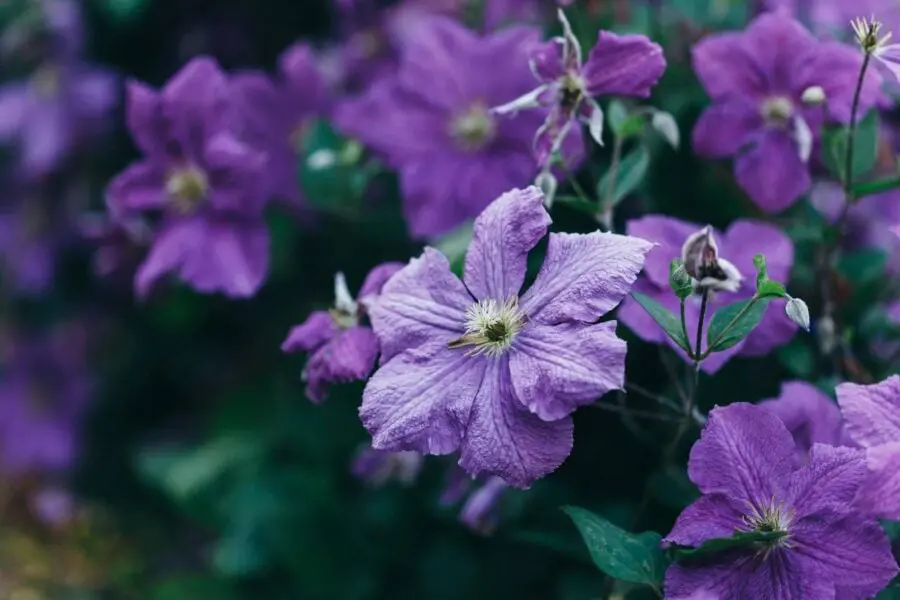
(777, 111)
(187, 188)
(345, 313)
(770, 517)
(491, 327)
(473, 129)
(571, 90)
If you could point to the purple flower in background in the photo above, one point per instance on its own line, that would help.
(622, 65)
(54, 506)
(480, 513)
(744, 466)
(209, 187)
(473, 366)
(342, 349)
(377, 467)
(872, 415)
(738, 245)
(809, 415)
(116, 243)
(276, 112)
(432, 122)
(756, 80)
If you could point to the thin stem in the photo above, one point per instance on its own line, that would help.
(660, 399)
(673, 376)
(684, 327)
(630, 412)
(851, 133)
(704, 298)
(579, 191)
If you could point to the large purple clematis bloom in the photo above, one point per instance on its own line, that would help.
(756, 80)
(342, 349)
(618, 65)
(432, 122)
(208, 186)
(744, 466)
(872, 416)
(810, 416)
(476, 367)
(275, 114)
(738, 245)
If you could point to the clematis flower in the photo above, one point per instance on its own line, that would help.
(432, 122)
(276, 113)
(480, 367)
(734, 249)
(744, 466)
(622, 65)
(756, 80)
(872, 414)
(809, 415)
(207, 186)
(342, 349)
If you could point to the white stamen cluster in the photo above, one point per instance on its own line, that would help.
(345, 313)
(867, 33)
(773, 517)
(491, 327)
(187, 188)
(473, 129)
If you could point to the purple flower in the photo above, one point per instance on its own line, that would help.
(480, 513)
(756, 80)
(115, 243)
(432, 122)
(276, 113)
(809, 415)
(738, 245)
(377, 467)
(342, 349)
(207, 185)
(473, 366)
(872, 414)
(622, 65)
(53, 506)
(744, 466)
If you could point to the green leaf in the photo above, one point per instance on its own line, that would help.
(579, 204)
(862, 266)
(636, 558)
(329, 171)
(630, 173)
(616, 115)
(740, 539)
(734, 322)
(679, 280)
(762, 271)
(670, 323)
(865, 147)
(771, 289)
(798, 358)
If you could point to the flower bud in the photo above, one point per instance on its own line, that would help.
(798, 312)
(700, 255)
(813, 96)
(546, 182)
(664, 123)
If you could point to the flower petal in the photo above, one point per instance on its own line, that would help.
(669, 235)
(725, 128)
(236, 175)
(784, 576)
(871, 412)
(591, 115)
(138, 188)
(727, 68)
(810, 415)
(744, 452)
(145, 119)
(835, 68)
(377, 277)
(772, 173)
(556, 369)
(423, 302)
(584, 276)
(14, 104)
(717, 579)
(421, 399)
(349, 356)
(830, 479)
(880, 494)
(504, 439)
(546, 60)
(712, 516)
(504, 234)
(317, 329)
(623, 65)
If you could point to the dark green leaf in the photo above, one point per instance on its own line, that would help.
(636, 558)
(616, 115)
(733, 323)
(740, 539)
(891, 592)
(862, 266)
(670, 323)
(865, 148)
(679, 280)
(629, 174)
(328, 169)
(771, 289)
(798, 358)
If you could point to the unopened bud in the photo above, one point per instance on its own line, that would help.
(813, 96)
(797, 311)
(664, 123)
(546, 182)
(700, 255)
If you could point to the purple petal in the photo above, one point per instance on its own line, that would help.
(95, 92)
(584, 276)
(624, 65)
(725, 128)
(46, 137)
(871, 412)
(550, 136)
(301, 76)
(727, 68)
(198, 103)
(421, 400)
(724, 577)
(504, 234)
(138, 188)
(317, 329)
(15, 99)
(502, 438)
(713, 516)
(786, 576)
(546, 60)
(377, 277)
(810, 416)
(669, 235)
(556, 369)
(830, 479)
(880, 494)
(744, 452)
(479, 513)
(746, 238)
(236, 175)
(349, 356)
(772, 173)
(145, 119)
(422, 302)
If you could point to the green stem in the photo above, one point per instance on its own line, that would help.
(851, 133)
(685, 331)
(699, 343)
(869, 188)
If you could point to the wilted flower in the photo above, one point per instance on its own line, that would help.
(473, 366)
(756, 80)
(625, 65)
(209, 187)
(739, 244)
(809, 415)
(872, 415)
(702, 262)
(342, 348)
(744, 466)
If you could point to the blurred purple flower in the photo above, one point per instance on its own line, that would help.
(53, 506)
(744, 466)
(116, 243)
(342, 348)
(809, 415)
(738, 244)
(276, 112)
(377, 467)
(209, 187)
(480, 513)
(472, 366)
(432, 122)
(623, 65)
(872, 415)
(756, 79)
